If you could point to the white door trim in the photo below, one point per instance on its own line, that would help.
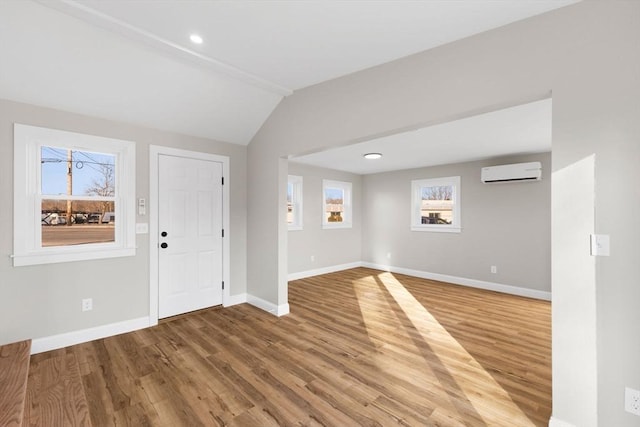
(155, 151)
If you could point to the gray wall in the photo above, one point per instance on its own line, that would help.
(507, 225)
(587, 56)
(44, 300)
(330, 247)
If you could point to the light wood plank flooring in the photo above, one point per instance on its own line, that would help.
(14, 368)
(360, 348)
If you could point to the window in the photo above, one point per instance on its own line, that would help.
(294, 202)
(336, 204)
(73, 196)
(436, 204)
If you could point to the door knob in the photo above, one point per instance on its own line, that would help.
(164, 245)
(163, 234)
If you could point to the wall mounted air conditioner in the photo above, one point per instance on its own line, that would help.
(531, 171)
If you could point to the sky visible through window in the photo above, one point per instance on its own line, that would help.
(89, 170)
(333, 194)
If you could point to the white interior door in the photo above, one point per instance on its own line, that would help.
(190, 228)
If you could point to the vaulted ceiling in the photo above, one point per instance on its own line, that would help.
(133, 61)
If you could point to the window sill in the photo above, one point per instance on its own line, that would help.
(329, 226)
(295, 228)
(437, 229)
(53, 257)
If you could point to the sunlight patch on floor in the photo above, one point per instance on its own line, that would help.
(375, 329)
(443, 359)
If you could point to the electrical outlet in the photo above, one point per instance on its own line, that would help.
(632, 400)
(87, 304)
(313, 258)
(388, 255)
(494, 269)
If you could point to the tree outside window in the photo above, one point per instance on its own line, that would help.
(69, 188)
(78, 191)
(436, 204)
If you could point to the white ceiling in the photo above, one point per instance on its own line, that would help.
(132, 60)
(295, 44)
(518, 130)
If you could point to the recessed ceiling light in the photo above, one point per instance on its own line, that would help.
(195, 39)
(372, 156)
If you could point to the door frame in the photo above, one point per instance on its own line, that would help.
(155, 151)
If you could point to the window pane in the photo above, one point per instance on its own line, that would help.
(77, 173)
(66, 222)
(290, 203)
(437, 205)
(334, 203)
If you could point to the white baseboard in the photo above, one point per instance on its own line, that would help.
(236, 299)
(276, 310)
(480, 284)
(554, 422)
(473, 283)
(40, 345)
(282, 310)
(323, 270)
(54, 342)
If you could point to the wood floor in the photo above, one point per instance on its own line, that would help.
(14, 368)
(360, 348)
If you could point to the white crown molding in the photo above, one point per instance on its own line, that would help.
(131, 32)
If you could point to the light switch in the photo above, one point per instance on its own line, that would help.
(142, 207)
(600, 245)
(142, 228)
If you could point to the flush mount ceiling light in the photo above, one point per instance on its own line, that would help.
(372, 156)
(195, 39)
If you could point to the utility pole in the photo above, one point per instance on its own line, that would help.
(69, 184)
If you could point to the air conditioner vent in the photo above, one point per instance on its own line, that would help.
(531, 171)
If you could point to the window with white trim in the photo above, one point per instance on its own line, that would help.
(294, 202)
(74, 196)
(435, 204)
(336, 204)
